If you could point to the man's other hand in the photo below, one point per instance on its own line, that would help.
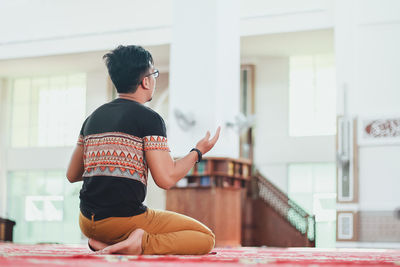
(205, 144)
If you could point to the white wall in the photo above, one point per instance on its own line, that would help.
(274, 149)
(367, 36)
(379, 178)
(97, 91)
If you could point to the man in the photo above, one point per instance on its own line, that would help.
(118, 142)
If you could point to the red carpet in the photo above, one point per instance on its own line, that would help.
(77, 255)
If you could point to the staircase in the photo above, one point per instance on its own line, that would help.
(270, 218)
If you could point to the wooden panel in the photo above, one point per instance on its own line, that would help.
(247, 218)
(271, 229)
(194, 202)
(228, 217)
(2, 232)
(218, 208)
(6, 229)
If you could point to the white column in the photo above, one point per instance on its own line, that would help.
(3, 148)
(205, 73)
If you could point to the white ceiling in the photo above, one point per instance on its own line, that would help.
(271, 45)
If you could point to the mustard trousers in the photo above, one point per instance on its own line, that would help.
(166, 232)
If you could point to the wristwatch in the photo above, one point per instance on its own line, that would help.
(199, 154)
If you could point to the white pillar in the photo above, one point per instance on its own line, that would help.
(3, 148)
(205, 73)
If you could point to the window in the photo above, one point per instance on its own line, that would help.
(47, 111)
(313, 187)
(44, 205)
(312, 96)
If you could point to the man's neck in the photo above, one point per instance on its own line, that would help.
(133, 97)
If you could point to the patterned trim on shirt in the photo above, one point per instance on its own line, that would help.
(115, 154)
(119, 154)
(155, 142)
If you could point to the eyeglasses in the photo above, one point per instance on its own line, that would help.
(155, 74)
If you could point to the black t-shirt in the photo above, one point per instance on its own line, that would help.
(115, 137)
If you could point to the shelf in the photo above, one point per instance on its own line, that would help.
(217, 172)
(214, 174)
(239, 160)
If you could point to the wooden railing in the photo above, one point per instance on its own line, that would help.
(277, 220)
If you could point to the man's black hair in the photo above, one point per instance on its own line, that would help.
(127, 65)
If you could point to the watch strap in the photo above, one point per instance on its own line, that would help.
(199, 154)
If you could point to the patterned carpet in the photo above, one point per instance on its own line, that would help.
(78, 255)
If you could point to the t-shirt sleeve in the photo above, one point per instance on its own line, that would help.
(155, 134)
(81, 136)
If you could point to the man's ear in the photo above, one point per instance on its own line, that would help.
(146, 83)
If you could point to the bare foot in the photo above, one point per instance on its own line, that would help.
(96, 245)
(130, 246)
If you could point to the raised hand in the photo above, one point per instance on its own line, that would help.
(206, 144)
